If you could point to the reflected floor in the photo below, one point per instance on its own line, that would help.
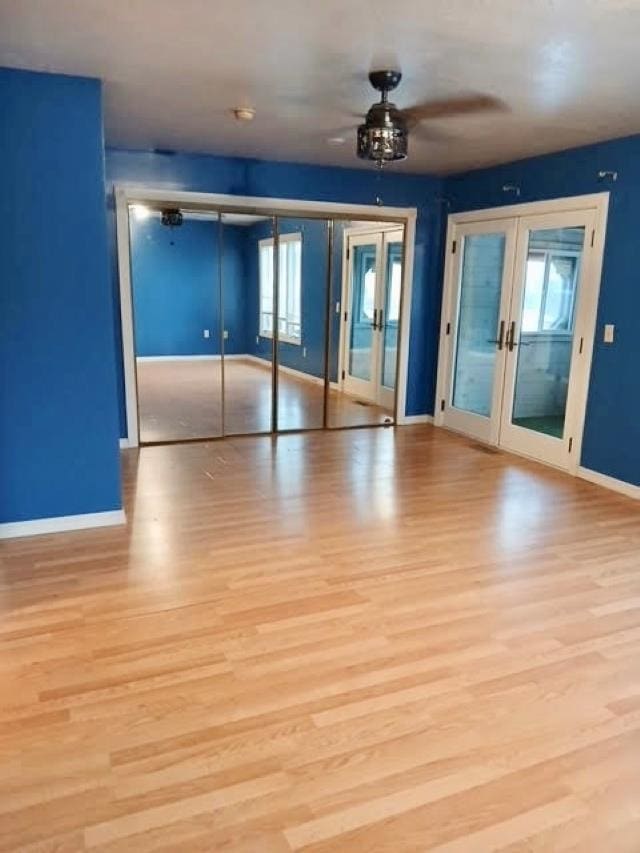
(548, 424)
(181, 399)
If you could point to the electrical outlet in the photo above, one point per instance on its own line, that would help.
(205, 333)
(609, 333)
(226, 334)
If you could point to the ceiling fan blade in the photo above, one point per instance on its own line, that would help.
(452, 107)
(429, 134)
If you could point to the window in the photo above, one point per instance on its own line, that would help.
(290, 275)
(550, 291)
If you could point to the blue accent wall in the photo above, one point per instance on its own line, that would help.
(175, 288)
(204, 173)
(612, 428)
(59, 425)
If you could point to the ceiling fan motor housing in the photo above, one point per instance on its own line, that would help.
(384, 135)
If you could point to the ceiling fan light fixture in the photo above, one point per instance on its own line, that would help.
(384, 135)
(171, 217)
(382, 144)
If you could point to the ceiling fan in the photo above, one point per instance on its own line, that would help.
(384, 135)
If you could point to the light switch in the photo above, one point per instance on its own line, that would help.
(337, 307)
(226, 334)
(609, 333)
(205, 333)
(304, 352)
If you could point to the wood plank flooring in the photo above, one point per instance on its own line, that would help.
(183, 400)
(372, 640)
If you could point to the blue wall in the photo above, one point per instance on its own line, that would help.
(287, 180)
(612, 429)
(59, 425)
(175, 288)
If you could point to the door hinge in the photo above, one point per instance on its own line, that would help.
(343, 374)
(570, 444)
(348, 253)
(442, 405)
(593, 236)
(448, 329)
(581, 346)
(345, 316)
(453, 247)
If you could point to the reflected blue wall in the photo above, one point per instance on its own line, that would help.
(174, 277)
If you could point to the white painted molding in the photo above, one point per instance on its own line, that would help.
(407, 420)
(282, 368)
(179, 357)
(612, 483)
(62, 523)
(124, 443)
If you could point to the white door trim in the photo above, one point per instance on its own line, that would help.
(127, 194)
(596, 202)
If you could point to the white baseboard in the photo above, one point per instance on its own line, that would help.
(612, 483)
(415, 419)
(59, 524)
(124, 443)
(179, 357)
(300, 374)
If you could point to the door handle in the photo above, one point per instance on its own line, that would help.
(374, 324)
(511, 334)
(500, 339)
(380, 323)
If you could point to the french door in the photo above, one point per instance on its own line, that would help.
(519, 317)
(373, 288)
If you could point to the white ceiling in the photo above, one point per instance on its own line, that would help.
(568, 70)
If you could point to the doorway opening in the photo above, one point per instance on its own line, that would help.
(518, 324)
(246, 319)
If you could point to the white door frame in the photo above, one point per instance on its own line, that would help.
(127, 194)
(598, 203)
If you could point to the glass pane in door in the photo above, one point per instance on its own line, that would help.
(362, 306)
(544, 349)
(391, 317)
(478, 315)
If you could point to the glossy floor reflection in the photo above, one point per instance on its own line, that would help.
(365, 640)
(183, 400)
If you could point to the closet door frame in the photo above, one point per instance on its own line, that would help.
(598, 203)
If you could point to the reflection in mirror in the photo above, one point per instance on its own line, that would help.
(366, 293)
(247, 307)
(302, 312)
(176, 310)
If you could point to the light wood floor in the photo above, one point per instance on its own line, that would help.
(373, 640)
(183, 400)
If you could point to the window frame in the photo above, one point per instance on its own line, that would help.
(263, 332)
(549, 254)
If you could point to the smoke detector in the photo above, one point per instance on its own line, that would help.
(244, 113)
